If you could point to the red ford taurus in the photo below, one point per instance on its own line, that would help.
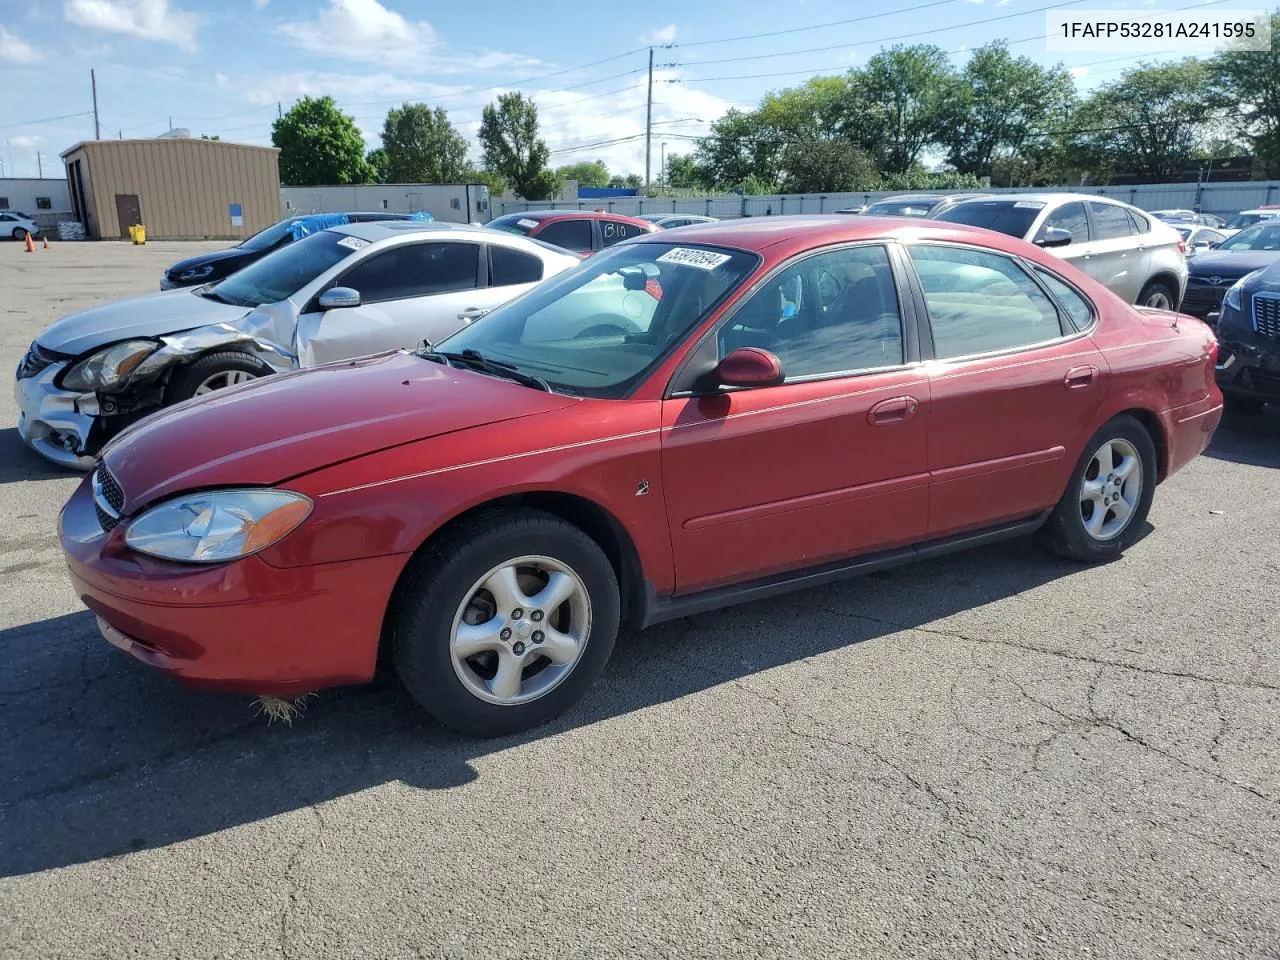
(675, 425)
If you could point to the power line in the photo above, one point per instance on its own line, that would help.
(817, 26)
(31, 123)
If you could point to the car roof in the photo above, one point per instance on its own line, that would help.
(790, 233)
(574, 214)
(372, 230)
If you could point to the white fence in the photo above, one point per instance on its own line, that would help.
(1223, 199)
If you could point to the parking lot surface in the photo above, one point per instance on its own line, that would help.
(994, 754)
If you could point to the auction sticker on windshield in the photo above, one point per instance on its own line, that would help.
(1028, 205)
(527, 224)
(702, 259)
(353, 243)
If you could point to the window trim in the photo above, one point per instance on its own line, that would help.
(1019, 262)
(337, 280)
(912, 354)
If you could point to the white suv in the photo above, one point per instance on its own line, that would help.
(17, 225)
(1134, 255)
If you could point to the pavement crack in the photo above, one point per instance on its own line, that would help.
(305, 846)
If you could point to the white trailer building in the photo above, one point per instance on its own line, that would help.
(43, 198)
(450, 202)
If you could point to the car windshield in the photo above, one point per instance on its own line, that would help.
(900, 208)
(516, 223)
(1242, 220)
(268, 238)
(282, 273)
(1261, 236)
(599, 328)
(1012, 217)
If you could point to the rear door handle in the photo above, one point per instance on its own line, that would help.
(1079, 378)
(893, 410)
(473, 313)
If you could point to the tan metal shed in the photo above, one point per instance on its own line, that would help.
(178, 188)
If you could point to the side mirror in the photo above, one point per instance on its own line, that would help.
(1053, 237)
(749, 367)
(336, 298)
(1202, 245)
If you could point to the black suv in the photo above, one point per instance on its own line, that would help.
(1249, 340)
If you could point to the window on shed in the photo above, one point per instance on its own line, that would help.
(4, 203)
(386, 204)
(44, 203)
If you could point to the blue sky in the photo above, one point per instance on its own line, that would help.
(221, 66)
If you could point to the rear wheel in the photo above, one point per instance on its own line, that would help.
(504, 623)
(1157, 294)
(217, 371)
(1108, 497)
(19, 233)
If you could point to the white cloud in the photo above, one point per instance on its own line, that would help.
(16, 50)
(26, 141)
(260, 3)
(355, 88)
(1078, 72)
(665, 34)
(146, 19)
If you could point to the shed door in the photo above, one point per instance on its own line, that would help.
(129, 211)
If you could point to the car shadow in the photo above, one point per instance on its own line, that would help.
(20, 462)
(1248, 438)
(102, 756)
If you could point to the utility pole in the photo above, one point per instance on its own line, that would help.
(97, 127)
(662, 169)
(648, 124)
(279, 110)
(39, 165)
(171, 124)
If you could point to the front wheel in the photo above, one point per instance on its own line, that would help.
(1108, 497)
(217, 371)
(504, 623)
(19, 234)
(1158, 295)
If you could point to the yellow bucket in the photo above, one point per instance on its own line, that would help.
(138, 233)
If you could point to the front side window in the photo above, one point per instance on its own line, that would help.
(599, 328)
(981, 302)
(569, 234)
(415, 270)
(1071, 218)
(283, 272)
(1110, 221)
(832, 313)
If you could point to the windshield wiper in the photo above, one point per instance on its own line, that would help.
(478, 361)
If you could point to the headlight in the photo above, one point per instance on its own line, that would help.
(196, 273)
(218, 525)
(108, 368)
(1232, 299)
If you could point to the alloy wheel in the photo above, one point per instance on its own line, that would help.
(223, 379)
(1111, 489)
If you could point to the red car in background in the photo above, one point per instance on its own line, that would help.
(583, 232)
(674, 425)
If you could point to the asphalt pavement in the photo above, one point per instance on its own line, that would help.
(997, 754)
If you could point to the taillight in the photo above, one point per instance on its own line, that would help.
(1182, 247)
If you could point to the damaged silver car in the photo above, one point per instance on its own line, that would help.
(344, 292)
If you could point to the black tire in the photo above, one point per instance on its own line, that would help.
(1064, 533)
(19, 234)
(420, 618)
(1241, 404)
(186, 380)
(1158, 287)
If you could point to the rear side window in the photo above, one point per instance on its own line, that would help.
(507, 267)
(1110, 221)
(570, 234)
(1077, 307)
(1139, 223)
(1070, 217)
(981, 302)
(615, 231)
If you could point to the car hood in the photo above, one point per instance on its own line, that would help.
(1230, 264)
(212, 256)
(152, 315)
(1268, 281)
(283, 426)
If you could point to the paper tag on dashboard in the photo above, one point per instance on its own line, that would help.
(702, 259)
(526, 223)
(353, 243)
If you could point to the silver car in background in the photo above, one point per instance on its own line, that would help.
(345, 292)
(1136, 256)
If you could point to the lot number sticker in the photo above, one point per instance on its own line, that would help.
(1028, 205)
(527, 224)
(353, 243)
(702, 259)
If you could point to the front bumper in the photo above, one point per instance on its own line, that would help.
(243, 627)
(1204, 299)
(56, 423)
(1249, 369)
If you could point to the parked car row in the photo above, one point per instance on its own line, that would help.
(678, 421)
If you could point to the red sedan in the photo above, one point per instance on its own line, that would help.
(579, 231)
(672, 426)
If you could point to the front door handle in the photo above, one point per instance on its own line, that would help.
(893, 410)
(473, 313)
(1080, 378)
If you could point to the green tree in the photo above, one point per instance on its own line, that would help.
(513, 149)
(822, 166)
(497, 186)
(683, 173)
(205, 136)
(319, 145)
(632, 181)
(999, 105)
(898, 104)
(1149, 123)
(1250, 81)
(422, 146)
(377, 160)
(589, 173)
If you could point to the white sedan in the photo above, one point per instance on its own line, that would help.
(17, 225)
(345, 292)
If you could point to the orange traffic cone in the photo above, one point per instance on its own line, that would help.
(31, 247)
(46, 243)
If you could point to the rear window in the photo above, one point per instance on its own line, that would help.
(900, 208)
(1010, 217)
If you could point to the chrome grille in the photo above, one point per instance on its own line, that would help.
(1266, 315)
(108, 498)
(37, 359)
